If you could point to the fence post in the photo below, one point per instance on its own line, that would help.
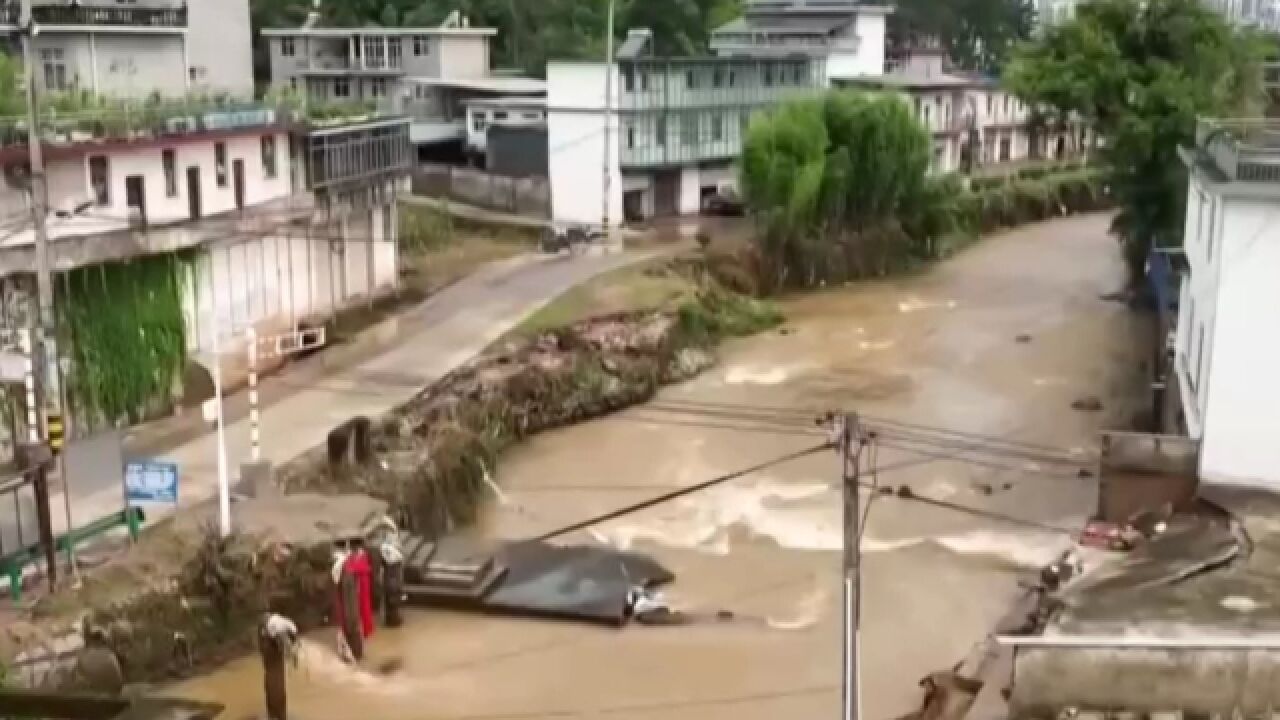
(255, 438)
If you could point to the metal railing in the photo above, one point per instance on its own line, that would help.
(1246, 150)
(170, 17)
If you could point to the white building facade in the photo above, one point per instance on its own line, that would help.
(848, 36)
(1223, 346)
(140, 47)
(974, 123)
(677, 131)
(425, 73)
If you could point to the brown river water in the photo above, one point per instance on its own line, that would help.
(938, 349)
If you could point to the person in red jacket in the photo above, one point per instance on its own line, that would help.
(361, 567)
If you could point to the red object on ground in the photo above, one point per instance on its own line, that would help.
(359, 566)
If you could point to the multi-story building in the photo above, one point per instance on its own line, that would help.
(261, 217)
(677, 128)
(427, 74)
(1054, 12)
(973, 121)
(847, 35)
(139, 47)
(1223, 384)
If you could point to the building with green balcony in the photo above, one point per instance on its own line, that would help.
(677, 131)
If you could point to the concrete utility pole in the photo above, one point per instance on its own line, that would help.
(606, 228)
(851, 458)
(47, 342)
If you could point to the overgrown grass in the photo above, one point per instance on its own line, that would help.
(646, 286)
(438, 251)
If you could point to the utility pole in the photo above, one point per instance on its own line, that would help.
(851, 443)
(47, 342)
(608, 125)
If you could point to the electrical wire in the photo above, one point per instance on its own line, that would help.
(678, 493)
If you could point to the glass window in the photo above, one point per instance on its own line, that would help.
(689, 129)
(378, 87)
(768, 75)
(631, 137)
(421, 45)
(170, 159)
(629, 79)
(690, 80)
(717, 127)
(287, 47)
(500, 115)
(717, 78)
(797, 73)
(55, 69)
(733, 77)
(100, 179)
(220, 163)
(342, 88)
(395, 52)
(479, 121)
(660, 131)
(269, 155)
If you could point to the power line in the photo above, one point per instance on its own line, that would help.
(676, 494)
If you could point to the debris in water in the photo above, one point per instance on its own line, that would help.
(1089, 403)
(1023, 338)
(1084, 473)
(984, 489)
(1240, 603)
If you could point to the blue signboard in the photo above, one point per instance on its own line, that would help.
(154, 482)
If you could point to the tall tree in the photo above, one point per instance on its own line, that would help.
(1141, 72)
(977, 34)
(839, 187)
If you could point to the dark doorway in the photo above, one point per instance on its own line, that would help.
(135, 198)
(666, 193)
(193, 191)
(237, 177)
(1061, 150)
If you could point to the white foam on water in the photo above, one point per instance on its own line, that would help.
(1024, 550)
(806, 614)
(912, 304)
(321, 664)
(755, 375)
(1241, 603)
(794, 515)
(876, 345)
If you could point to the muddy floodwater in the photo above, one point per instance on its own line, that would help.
(998, 341)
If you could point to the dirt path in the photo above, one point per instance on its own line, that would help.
(939, 349)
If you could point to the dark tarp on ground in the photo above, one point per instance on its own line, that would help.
(573, 582)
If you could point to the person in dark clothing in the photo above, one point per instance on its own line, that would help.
(277, 638)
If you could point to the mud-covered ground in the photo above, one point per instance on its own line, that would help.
(939, 349)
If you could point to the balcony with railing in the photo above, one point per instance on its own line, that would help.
(132, 16)
(1245, 150)
(346, 156)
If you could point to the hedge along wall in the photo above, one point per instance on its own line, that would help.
(994, 203)
(123, 327)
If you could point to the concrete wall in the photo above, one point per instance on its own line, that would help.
(220, 45)
(1240, 387)
(138, 65)
(119, 64)
(271, 283)
(463, 56)
(69, 177)
(576, 154)
(520, 195)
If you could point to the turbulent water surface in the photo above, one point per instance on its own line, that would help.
(939, 349)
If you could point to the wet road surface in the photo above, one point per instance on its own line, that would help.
(938, 349)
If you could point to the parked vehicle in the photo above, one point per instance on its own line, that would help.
(724, 201)
(571, 237)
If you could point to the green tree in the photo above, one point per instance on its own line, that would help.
(977, 34)
(1141, 72)
(839, 187)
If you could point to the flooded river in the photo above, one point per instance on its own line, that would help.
(939, 349)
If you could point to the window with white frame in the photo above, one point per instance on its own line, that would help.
(55, 69)
(421, 45)
(288, 48)
(342, 88)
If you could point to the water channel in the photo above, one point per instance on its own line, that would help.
(941, 348)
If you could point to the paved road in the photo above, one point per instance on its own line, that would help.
(435, 338)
